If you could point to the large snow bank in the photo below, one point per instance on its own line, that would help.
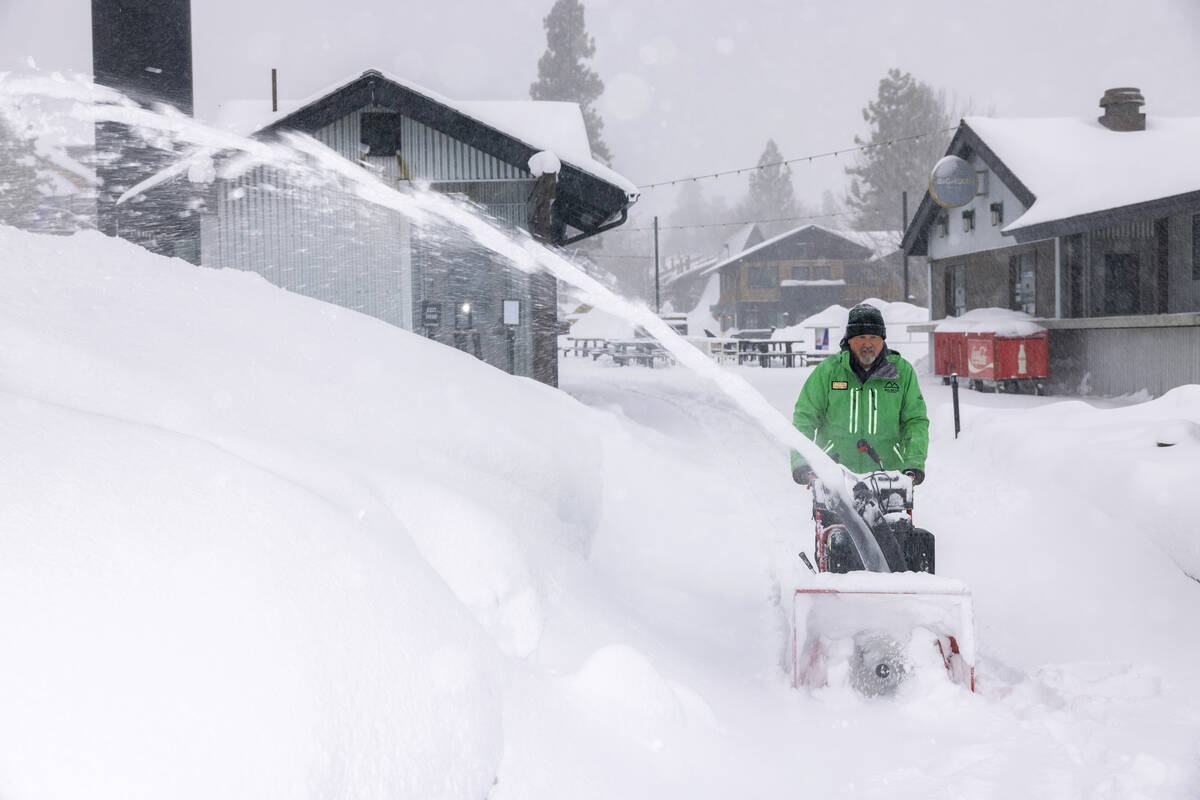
(254, 545)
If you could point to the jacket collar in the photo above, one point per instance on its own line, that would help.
(883, 368)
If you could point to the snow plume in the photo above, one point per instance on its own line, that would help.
(310, 163)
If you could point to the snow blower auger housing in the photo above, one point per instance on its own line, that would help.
(873, 614)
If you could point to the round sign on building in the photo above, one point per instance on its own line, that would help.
(953, 182)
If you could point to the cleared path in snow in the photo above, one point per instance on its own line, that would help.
(1086, 623)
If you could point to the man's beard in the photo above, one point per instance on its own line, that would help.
(867, 356)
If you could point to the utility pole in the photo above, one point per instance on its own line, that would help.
(903, 228)
(656, 303)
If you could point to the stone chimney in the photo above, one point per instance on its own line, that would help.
(1121, 110)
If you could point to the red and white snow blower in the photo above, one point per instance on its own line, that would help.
(873, 614)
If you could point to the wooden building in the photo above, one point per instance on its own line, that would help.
(343, 250)
(1093, 227)
(784, 279)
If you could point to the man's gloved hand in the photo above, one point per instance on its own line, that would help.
(916, 475)
(803, 475)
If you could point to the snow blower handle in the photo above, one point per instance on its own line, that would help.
(865, 447)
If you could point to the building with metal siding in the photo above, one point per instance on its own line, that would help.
(1092, 228)
(338, 249)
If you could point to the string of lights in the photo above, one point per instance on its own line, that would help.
(731, 224)
(788, 162)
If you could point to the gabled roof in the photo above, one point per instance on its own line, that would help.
(1074, 174)
(848, 236)
(746, 236)
(588, 193)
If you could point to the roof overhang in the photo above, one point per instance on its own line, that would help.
(1139, 212)
(582, 200)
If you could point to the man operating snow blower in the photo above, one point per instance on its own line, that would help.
(865, 409)
(872, 629)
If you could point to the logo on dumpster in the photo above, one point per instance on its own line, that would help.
(979, 359)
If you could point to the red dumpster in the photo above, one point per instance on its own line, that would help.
(949, 353)
(1007, 360)
(1020, 357)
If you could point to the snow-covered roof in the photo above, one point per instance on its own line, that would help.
(1077, 166)
(819, 282)
(880, 243)
(543, 125)
(849, 236)
(893, 313)
(737, 242)
(1000, 321)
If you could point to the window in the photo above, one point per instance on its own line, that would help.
(968, 219)
(943, 225)
(763, 277)
(799, 273)
(1022, 270)
(997, 212)
(956, 290)
(380, 133)
(1196, 247)
(821, 272)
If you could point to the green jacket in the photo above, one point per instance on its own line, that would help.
(835, 410)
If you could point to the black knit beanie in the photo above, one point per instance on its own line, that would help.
(865, 320)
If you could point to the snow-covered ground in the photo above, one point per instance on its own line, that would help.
(256, 546)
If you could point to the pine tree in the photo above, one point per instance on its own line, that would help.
(903, 107)
(771, 195)
(562, 74)
(21, 185)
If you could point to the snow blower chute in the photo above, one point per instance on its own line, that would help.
(872, 614)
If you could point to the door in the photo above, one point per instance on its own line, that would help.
(1120, 284)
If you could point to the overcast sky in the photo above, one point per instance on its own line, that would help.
(692, 86)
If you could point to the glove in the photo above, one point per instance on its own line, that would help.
(804, 475)
(917, 475)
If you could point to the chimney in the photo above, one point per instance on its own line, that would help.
(1121, 110)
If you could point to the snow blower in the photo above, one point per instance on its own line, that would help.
(873, 613)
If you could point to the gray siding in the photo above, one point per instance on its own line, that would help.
(1122, 361)
(325, 245)
(425, 154)
(339, 249)
(1183, 293)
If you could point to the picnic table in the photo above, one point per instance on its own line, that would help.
(778, 352)
(644, 352)
(585, 346)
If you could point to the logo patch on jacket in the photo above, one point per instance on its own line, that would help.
(891, 387)
(840, 385)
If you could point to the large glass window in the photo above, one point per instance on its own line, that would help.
(1023, 271)
(763, 277)
(956, 290)
(821, 272)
